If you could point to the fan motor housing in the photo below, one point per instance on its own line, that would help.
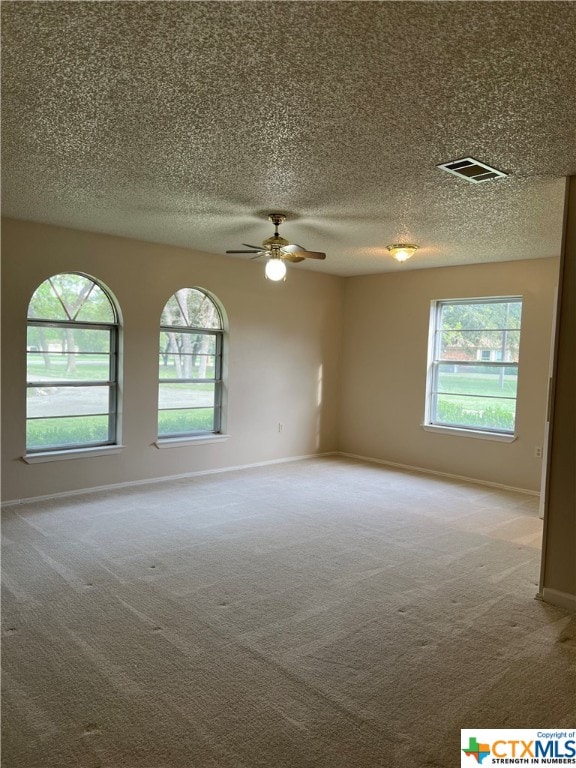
(275, 241)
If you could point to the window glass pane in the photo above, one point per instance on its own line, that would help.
(187, 366)
(185, 421)
(471, 345)
(52, 366)
(475, 412)
(66, 401)
(493, 381)
(45, 304)
(62, 433)
(172, 313)
(47, 339)
(72, 290)
(96, 308)
(186, 395)
(482, 315)
(70, 297)
(191, 308)
(188, 342)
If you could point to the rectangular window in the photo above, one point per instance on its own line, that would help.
(473, 364)
(190, 391)
(71, 386)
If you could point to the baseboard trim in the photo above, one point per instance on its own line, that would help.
(561, 599)
(169, 478)
(164, 479)
(410, 468)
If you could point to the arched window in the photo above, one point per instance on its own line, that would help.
(190, 390)
(72, 365)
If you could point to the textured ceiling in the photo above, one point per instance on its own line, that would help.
(187, 122)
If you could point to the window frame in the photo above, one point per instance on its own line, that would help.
(168, 438)
(435, 360)
(112, 383)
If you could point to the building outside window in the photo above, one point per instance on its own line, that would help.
(473, 364)
(72, 365)
(190, 365)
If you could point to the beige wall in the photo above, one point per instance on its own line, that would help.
(384, 369)
(284, 344)
(559, 551)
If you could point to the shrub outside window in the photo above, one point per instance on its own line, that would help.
(190, 365)
(473, 364)
(72, 365)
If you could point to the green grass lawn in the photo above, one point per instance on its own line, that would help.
(94, 368)
(478, 384)
(76, 430)
(84, 430)
(79, 430)
(184, 421)
(457, 404)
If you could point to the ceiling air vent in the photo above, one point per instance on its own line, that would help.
(471, 170)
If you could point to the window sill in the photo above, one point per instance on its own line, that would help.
(75, 453)
(182, 442)
(499, 437)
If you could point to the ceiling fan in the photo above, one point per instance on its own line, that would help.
(278, 250)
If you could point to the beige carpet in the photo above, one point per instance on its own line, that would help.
(321, 614)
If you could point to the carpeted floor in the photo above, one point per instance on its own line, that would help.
(320, 614)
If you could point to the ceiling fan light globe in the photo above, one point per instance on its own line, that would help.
(275, 269)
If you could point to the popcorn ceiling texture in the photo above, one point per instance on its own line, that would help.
(187, 122)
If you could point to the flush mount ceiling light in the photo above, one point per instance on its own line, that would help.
(402, 251)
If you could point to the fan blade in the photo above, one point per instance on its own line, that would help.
(258, 251)
(298, 250)
(258, 247)
(293, 258)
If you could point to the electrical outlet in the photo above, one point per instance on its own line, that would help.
(538, 452)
